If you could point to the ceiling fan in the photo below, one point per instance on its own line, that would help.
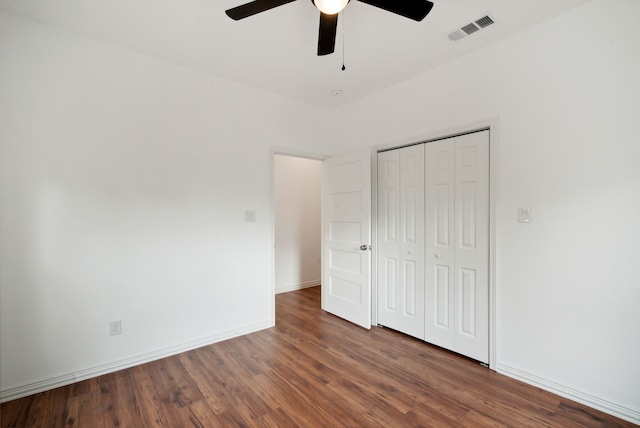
(329, 10)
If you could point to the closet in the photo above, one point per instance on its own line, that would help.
(433, 242)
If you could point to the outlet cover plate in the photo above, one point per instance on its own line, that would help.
(115, 328)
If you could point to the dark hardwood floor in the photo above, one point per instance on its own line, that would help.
(311, 370)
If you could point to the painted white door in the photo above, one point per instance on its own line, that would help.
(471, 239)
(346, 221)
(400, 263)
(439, 248)
(457, 246)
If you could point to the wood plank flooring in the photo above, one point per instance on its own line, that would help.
(311, 370)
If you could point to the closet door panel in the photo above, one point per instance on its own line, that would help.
(388, 242)
(401, 240)
(472, 245)
(439, 248)
(411, 320)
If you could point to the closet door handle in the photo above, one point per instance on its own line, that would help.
(438, 256)
(364, 247)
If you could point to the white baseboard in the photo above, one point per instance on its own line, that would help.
(48, 383)
(307, 284)
(614, 409)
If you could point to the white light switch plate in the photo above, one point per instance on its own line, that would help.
(250, 216)
(524, 215)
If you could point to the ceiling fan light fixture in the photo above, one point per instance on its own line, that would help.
(330, 7)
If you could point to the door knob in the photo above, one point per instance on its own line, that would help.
(364, 247)
(438, 256)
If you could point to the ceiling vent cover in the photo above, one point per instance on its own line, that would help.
(471, 28)
(456, 35)
(484, 22)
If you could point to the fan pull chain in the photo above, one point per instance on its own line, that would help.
(343, 67)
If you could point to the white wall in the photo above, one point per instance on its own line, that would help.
(124, 186)
(566, 94)
(124, 182)
(297, 184)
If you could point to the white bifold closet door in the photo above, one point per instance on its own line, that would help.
(401, 240)
(457, 244)
(433, 242)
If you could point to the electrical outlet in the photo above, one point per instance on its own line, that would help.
(115, 328)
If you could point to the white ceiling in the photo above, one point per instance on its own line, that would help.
(276, 50)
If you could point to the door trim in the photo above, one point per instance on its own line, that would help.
(491, 124)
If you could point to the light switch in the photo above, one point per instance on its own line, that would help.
(250, 216)
(524, 215)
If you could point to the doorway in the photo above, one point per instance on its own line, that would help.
(297, 211)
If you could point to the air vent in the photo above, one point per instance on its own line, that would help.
(456, 35)
(470, 28)
(484, 22)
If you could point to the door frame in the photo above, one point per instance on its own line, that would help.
(490, 124)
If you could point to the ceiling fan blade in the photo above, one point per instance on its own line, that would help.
(254, 7)
(412, 9)
(327, 33)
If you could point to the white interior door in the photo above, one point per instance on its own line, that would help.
(400, 242)
(346, 221)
